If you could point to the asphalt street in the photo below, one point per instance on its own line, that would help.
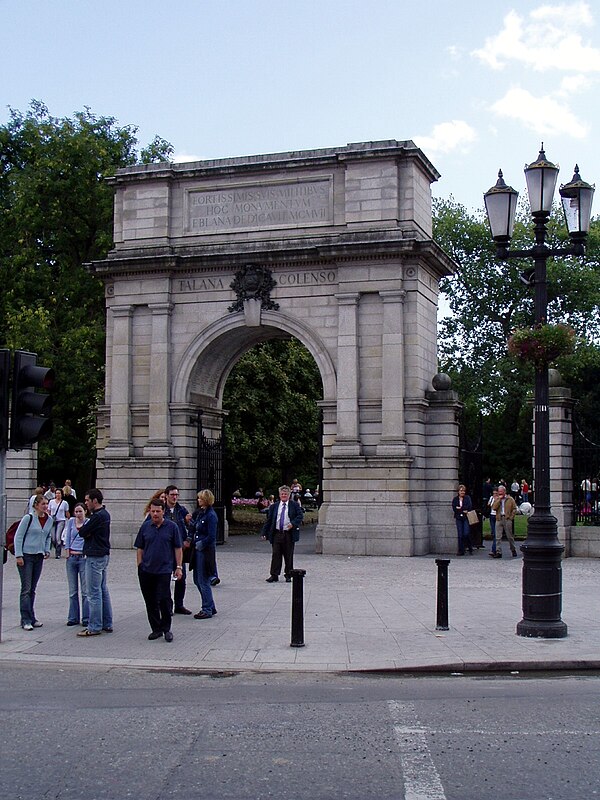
(103, 733)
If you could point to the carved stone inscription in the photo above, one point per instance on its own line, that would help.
(276, 205)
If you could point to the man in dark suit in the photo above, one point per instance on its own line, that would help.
(282, 529)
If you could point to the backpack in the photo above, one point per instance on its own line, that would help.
(9, 545)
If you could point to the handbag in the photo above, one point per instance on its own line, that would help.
(472, 517)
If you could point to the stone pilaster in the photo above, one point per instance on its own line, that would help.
(120, 444)
(561, 461)
(347, 441)
(159, 426)
(393, 441)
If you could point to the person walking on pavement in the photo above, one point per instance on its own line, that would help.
(159, 555)
(282, 529)
(505, 508)
(96, 549)
(32, 547)
(178, 514)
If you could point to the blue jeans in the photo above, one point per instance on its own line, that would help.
(202, 581)
(30, 574)
(96, 568)
(493, 530)
(75, 578)
(464, 538)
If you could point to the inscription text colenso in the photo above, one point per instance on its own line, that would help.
(271, 205)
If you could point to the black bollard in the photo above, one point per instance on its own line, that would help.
(442, 594)
(297, 607)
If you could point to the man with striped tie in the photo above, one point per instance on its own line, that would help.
(282, 529)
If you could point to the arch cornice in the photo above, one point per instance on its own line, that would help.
(234, 323)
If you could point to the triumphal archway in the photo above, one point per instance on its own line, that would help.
(331, 246)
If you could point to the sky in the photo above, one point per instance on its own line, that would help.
(478, 86)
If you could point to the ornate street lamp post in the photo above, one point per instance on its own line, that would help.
(542, 551)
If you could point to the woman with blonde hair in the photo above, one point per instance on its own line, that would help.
(203, 537)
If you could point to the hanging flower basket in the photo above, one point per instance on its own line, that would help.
(541, 345)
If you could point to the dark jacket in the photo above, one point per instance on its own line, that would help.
(467, 505)
(203, 530)
(96, 534)
(295, 514)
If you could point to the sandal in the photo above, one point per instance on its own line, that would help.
(86, 632)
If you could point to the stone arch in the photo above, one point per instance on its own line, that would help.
(345, 237)
(216, 349)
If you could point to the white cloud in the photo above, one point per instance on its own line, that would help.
(549, 38)
(573, 84)
(183, 158)
(544, 115)
(447, 136)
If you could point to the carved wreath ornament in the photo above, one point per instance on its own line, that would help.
(252, 282)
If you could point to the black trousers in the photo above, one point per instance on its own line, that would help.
(179, 591)
(156, 591)
(283, 550)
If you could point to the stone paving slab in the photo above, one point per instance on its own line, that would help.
(361, 613)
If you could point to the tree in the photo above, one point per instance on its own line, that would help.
(56, 214)
(272, 427)
(487, 300)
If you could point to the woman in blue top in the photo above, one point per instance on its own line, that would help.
(203, 529)
(32, 546)
(76, 567)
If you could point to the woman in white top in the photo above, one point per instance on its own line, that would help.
(493, 497)
(58, 508)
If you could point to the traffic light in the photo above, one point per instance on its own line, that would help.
(29, 417)
(4, 380)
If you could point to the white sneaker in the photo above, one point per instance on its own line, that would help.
(28, 626)
(37, 624)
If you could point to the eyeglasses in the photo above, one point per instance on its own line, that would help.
(173, 494)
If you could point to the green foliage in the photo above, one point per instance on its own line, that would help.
(56, 214)
(273, 423)
(487, 301)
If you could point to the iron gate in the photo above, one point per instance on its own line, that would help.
(586, 472)
(210, 473)
(471, 473)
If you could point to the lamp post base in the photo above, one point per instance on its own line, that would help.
(542, 630)
(542, 580)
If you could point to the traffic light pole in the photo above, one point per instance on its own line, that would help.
(2, 524)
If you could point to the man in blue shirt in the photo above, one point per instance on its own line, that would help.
(159, 553)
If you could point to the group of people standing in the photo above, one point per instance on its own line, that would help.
(168, 538)
(502, 509)
(88, 550)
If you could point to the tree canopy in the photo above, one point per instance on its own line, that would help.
(487, 300)
(56, 214)
(272, 425)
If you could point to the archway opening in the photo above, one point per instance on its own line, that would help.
(272, 426)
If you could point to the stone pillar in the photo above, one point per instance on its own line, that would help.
(159, 425)
(440, 477)
(561, 460)
(347, 441)
(120, 444)
(393, 441)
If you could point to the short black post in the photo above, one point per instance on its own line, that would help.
(442, 594)
(297, 607)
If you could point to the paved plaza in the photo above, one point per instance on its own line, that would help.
(361, 613)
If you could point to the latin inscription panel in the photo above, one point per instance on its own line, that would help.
(273, 205)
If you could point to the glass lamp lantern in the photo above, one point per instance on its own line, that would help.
(576, 197)
(501, 206)
(541, 176)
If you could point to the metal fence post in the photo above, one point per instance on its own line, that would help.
(442, 594)
(297, 607)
